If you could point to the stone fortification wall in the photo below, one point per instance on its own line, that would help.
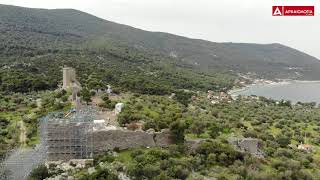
(124, 139)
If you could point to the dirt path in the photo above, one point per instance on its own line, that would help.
(23, 134)
(39, 103)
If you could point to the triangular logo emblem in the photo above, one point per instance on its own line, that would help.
(277, 11)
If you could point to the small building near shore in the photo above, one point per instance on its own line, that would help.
(305, 147)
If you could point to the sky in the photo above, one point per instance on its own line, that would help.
(247, 21)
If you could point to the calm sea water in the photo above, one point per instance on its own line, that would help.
(303, 91)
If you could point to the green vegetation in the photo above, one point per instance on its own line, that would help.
(276, 125)
(41, 172)
(156, 111)
(34, 63)
(38, 32)
(126, 71)
(107, 102)
(36, 44)
(24, 107)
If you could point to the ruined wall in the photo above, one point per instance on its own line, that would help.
(163, 138)
(250, 145)
(125, 139)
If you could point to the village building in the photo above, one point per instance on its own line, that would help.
(305, 147)
(214, 102)
(211, 95)
(224, 96)
(194, 98)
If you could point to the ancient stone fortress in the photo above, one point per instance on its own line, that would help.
(81, 134)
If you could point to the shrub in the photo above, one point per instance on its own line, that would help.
(178, 129)
(41, 172)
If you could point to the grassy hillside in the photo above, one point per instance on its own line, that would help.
(38, 31)
(280, 127)
(36, 43)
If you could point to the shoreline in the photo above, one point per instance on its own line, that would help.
(302, 81)
(235, 90)
(256, 83)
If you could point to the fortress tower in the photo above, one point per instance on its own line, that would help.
(69, 77)
(70, 82)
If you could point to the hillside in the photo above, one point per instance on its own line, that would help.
(25, 30)
(162, 82)
(36, 43)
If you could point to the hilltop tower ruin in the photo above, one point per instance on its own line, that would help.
(69, 77)
(70, 83)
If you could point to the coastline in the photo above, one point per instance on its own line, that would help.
(259, 82)
(303, 81)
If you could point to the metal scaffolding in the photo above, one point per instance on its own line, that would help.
(61, 138)
(69, 138)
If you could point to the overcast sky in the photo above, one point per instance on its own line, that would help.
(214, 20)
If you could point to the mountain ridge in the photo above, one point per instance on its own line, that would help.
(24, 28)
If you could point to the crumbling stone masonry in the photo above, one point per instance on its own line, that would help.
(250, 145)
(66, 139)
(69, 77)
(125, 139)
(163, 138)
(80, 136)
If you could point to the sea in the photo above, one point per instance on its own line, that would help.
(295, 91)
